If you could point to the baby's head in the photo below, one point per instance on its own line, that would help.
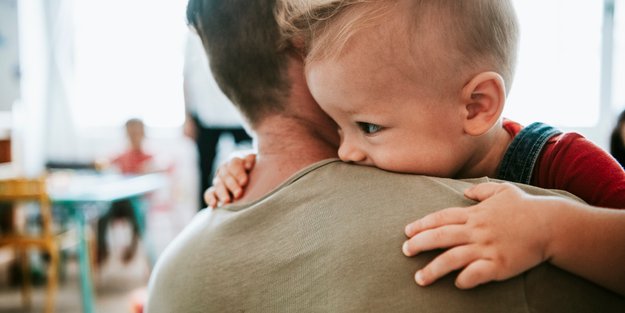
(415, 86)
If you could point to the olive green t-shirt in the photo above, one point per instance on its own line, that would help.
(329, 240)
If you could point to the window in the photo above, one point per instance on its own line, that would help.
(128, 62)
(618, 96)
(558, 73)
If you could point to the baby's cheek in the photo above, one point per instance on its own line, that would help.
(412, 162)
(397, 161)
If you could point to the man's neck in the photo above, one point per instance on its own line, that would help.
(285, 146)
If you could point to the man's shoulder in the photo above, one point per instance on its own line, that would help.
(336, 175)
(335, 172)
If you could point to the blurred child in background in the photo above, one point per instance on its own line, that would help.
(135, 160)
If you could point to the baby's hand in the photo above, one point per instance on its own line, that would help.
(229, 181)
(500, 237)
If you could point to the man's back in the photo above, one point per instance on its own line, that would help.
(329, 240)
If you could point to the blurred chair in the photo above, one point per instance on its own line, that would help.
(17, 190)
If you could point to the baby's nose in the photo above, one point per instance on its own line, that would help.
(351, 153)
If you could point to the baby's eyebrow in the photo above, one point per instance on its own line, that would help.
(351, 108)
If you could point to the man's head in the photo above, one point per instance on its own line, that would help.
(408, 81)
(242, 41)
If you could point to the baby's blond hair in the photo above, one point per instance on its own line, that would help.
(479, 35)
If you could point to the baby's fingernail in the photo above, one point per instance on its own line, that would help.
(404, 248)
(408, 229)
(419, 278)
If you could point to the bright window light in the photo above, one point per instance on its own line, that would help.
(618, 96)
(558, 73)
(128, 62)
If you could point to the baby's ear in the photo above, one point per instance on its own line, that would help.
(483, 99)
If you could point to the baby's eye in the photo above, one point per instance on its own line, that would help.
(369, 128)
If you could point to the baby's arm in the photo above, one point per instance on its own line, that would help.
(229, 181)
(510, 231)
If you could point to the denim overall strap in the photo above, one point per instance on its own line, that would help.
(520, 158)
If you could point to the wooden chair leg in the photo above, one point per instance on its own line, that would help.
(52, 280)
(26, 287)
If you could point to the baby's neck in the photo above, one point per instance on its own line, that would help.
(485, 161)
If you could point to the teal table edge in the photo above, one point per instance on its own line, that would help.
(73, 204)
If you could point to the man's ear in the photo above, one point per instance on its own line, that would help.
(483, 99)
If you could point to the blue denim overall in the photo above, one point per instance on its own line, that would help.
(520, 158)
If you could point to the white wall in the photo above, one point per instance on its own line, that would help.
(9, 82)
(564, 72)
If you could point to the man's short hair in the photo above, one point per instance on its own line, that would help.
(245, 54)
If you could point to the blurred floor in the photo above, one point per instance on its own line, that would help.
(116, 283)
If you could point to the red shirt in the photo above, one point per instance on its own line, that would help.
(132, 161)
(571, 162)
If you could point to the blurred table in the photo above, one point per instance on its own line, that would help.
(77, 193)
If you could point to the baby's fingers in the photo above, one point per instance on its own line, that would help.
(249, 161)
(221, 191)
(437, 238)
(448, 261)
(210, 198)
(476, 273)
(437, 219)
(232, 185)
(483, 191)
(236, 169)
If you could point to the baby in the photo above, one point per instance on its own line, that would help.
(419, 87)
